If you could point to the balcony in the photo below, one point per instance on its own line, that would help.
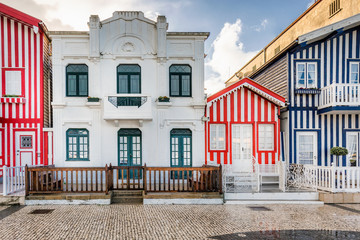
(340, 96)
(127, 107)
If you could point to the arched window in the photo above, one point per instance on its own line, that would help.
(180, 81)
(77, 80)
(128, 78)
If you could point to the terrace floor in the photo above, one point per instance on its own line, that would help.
(181, 222)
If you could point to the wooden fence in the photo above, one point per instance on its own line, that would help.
(51, 179)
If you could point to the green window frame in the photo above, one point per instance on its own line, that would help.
(128, 78)
(77, 145)
(77, 80)
(180, 80)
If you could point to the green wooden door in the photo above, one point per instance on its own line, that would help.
(180, 149)
(129, 150)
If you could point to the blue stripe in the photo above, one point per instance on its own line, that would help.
(331, 61)
(350, 44)
(349, 120)
(343, 137)
(307, 119)
(356, 121)
(331, 133)
(343, 80)
(325, 138)
(358, 44)
(337, 58)
(325, 62)
(337, 130)
(291, 160)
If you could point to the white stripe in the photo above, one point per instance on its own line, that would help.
(322, 141)
(11, 146)
(38, 87)
(292, 132)
(27, 81)
(262, 111)
(310, 53)
(328, 63)
(316, 120)
(340, 135)
(269, 111)
(292, 80)
(6, 110)
(346, 121)
(317, 51)
(38, 144)
(346, 54)
(304, 100)
(298, 119)
(214, 110)
(304, 118)
(334, 61)
(354, 45)
(228, 108)
(12, 39)
(335, 130)
(322, 65)
(20, 43)
(328, 141)
(256, 108)
(13, 106)
(32, 81)
(310, 119)
(298, 100)
(6, 63)
(221, 102)
(304, 54)
(340, 59)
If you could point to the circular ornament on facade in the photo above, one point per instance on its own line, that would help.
(128, 47)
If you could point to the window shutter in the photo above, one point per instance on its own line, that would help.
(13, 83)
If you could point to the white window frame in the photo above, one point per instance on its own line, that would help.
(262, 136)
(214, 140)
(8, 87)
(350, 71)
(356, 134)
(306, 67)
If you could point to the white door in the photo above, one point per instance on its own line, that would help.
(352, 145)
(307, 148)
(25, 148)
(242, 147)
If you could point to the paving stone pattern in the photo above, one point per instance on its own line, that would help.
(176, 221)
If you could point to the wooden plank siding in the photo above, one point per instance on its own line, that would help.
(47, 78)
(275, 77)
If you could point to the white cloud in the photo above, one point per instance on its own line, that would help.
(229, 55)
(151, 15)
(262, 25)
(310, 3)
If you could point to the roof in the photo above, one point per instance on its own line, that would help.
(323, 32)
(250, 84)
(200, 34)
(17, 15)
(68, 33)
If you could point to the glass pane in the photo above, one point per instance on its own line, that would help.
(83, 85)
(311, 67)
(134, 84)
(185, 88)
(175, 85)
(129, 68)
(77, 68)
(180, 69)
(123, 84)
(71, 85)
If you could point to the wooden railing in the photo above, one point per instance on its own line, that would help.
(50, 179)
(183, 179)
(57, 180)
(126, 177)
(339, 94)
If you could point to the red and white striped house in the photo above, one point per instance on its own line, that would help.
(243, 124)
(25, 82)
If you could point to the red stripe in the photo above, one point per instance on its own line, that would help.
(232, 107)
(212, 156)
(218, 158)
(23, 62)
(239, 105)
(46, 144)
(29, 72)
(273, 112)
(16, 45)
(218, 111)
(266, 113)
(246, 105)
(225, 109)
(206, 133)
(252, 107)
(225, 158)
(35, 76)
(2, 42)
(259, 109)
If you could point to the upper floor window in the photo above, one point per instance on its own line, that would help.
(217, 137)
(354, 72)
(13, 82)
(77, 144)
(128, 78)
(77, 80)
(266, 137)
(180, 81)
(306, 74)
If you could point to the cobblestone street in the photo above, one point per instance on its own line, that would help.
(181, 222)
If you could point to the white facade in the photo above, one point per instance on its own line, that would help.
(127, 38)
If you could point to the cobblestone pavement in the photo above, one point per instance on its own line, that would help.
(182, 222)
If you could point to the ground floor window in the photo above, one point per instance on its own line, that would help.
(77, 144)
(306, 147)
(217, 136)
(352, 145)
(266, 137)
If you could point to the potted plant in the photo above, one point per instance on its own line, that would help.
(11, 96)
(163, 99)
(93, 99)
(338, 151)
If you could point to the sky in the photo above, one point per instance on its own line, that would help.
(238, 28)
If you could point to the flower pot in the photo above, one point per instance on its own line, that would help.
(164, 99)
(93, 99)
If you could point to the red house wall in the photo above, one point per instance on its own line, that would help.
(22, 50)
(242, 106)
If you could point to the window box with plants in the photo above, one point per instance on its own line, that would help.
(93, 99)
(307, 91)
(163, 99)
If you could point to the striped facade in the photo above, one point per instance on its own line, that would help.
(332, 56)
(244, 102)
(22, 41)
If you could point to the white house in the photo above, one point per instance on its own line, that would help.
(128, 62)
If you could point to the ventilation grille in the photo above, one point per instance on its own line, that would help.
(334, 8)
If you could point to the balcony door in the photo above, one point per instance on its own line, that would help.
(352, 145)
(307, 148)
(129, 149)
(181, 149)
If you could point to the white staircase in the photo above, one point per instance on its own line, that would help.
(242, 182)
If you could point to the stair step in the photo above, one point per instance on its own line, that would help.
(128, 193)
(127, 199)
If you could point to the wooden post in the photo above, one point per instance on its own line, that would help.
(220, 178)
(27, 184)
(106, 179)
(145, 180)
(111, 177)
(128, 178)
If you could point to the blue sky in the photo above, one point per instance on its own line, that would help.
(239, 28)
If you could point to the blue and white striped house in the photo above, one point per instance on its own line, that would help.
(324, 95)
(319, 76)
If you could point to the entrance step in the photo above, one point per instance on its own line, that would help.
(127, 197)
